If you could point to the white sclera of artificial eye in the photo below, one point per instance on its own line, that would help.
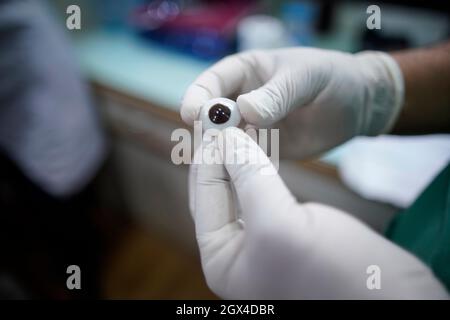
(234, 118)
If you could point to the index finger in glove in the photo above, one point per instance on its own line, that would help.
(228, 77)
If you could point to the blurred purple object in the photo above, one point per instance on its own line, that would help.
(204, 31)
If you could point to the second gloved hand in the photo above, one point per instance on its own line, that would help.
(256, 241)
(330, 96)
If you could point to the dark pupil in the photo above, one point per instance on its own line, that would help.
(219, 113)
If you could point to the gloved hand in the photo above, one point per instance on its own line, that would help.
(331, 96)
(256, 241)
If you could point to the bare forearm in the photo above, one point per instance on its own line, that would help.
(427, 90)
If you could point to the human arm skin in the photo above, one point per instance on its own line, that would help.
(426, 107)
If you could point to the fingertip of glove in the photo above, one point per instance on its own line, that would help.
(250, 110)
(192, 102)
(187, 116)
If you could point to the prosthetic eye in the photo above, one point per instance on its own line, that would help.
(220, 113)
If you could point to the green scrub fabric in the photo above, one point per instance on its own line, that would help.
(424, 228)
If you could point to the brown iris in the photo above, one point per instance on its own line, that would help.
(219, 113)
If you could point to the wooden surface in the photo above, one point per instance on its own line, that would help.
(144, 265)
(137, 102)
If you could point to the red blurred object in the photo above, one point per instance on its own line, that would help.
(170, 14)
(221, 17)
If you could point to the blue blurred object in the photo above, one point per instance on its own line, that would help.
(205, 44)
(300, 18)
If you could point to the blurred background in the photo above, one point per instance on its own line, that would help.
(86, 117)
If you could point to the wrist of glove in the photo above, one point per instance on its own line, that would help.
(384, 92)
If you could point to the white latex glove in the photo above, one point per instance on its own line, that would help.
(335, 96)
(285, 249)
